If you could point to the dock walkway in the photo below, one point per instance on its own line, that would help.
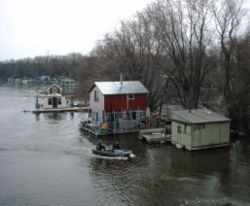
(52, 110)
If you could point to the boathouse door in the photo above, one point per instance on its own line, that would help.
(54, 100)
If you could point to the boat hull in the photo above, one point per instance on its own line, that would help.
(110, 153)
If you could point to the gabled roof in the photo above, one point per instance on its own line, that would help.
(196, 116)
(54, 85)
(127, 87)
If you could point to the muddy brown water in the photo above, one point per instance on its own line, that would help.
(46, 160)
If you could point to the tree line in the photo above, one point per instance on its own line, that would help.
(188, 52)
(67, 65)
(74, 65)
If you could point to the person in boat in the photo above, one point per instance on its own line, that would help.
(116, 146)
(100, 146)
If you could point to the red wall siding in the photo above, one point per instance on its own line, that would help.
(140, 102)
(120, 102)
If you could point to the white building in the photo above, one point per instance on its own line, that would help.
(53, 99)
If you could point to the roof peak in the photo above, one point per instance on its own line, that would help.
(115, 87)
(120, 81)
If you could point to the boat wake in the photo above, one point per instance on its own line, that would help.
(132, 155)
(114, 158)
(69, 150)
(79, 151)
(88, 152)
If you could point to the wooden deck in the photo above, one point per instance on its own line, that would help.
(156, 138)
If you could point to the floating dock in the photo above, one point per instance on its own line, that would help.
(154, 136)
(54, 110)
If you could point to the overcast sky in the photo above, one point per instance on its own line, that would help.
(30, 28)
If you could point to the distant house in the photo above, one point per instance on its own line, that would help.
(69, 82)
(54, 98)
(199, 129)
(45, 78)
(11, 80)
(118, 101)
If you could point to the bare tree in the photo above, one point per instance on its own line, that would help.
(228, 15)
(241, 94)
(181, 28)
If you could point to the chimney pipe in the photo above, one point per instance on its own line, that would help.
(190, 109)
(121, 79)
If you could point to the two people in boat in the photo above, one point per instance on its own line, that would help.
(101, 147)
(116, 146)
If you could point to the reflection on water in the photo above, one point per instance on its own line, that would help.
(201, 162)
(46, 160)
(55, 116)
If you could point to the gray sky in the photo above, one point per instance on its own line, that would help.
(30, 28)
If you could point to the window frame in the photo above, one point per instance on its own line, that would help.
(59, 101)
(54, 90)
(131, 96)
(96, 97)
(49, 101)
(179, 128)
(200, 126)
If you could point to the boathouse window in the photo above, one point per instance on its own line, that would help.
(49, 101)
(59, 101)
(133, 115)
(131, 96)
(200, 126)
(96, 99)
(179, 129)
(54, 90)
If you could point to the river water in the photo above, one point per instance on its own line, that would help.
(46, 160)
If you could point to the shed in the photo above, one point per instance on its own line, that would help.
(199, 129)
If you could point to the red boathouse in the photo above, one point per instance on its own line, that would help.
(118, 102)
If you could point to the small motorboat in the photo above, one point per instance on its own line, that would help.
(113, 153)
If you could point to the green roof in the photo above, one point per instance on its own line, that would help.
(196, 116)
